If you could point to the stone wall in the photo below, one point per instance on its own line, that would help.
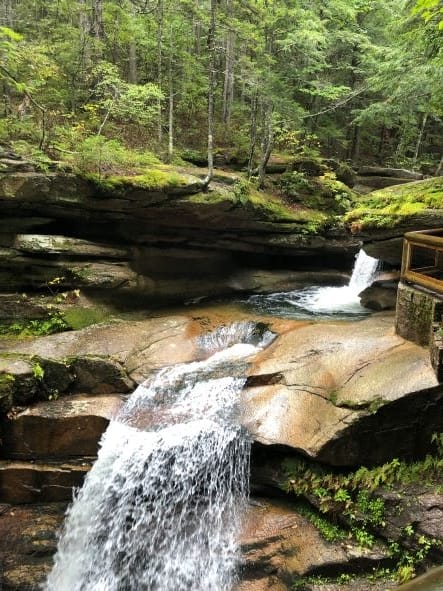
(417, 311)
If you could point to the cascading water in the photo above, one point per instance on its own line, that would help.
(322, 301)
(160, 510)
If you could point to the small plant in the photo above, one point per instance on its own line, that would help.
(38, 371)
(42, 327)
(242, 191)
(294, 183)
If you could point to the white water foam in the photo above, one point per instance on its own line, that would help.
(343, 299)
(322, 301)
(161, 508)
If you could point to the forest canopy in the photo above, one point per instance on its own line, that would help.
(357, 80)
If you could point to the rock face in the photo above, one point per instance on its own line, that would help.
(170, 242)
(280, 542)
(27, 543)
(345, 394)
(378, 177)
(69, 427)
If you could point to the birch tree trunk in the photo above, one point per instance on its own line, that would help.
(228, 86)
(419, 140)
(159, 67)
(266, 144)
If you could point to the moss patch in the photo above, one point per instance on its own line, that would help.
(262, 207)
(153, 179)
(324, 193)
(389, 207)
(77, 318)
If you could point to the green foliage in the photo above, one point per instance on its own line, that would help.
(29, 151)
(315, 74)
(52, 324)
(329, 531)
(242, 191)
(38, 371)
(408, 561)
(324, 193)
(294, 183)
(97, 154)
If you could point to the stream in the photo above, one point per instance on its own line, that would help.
(162, 506)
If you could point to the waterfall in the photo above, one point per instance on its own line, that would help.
(322, 301)
(363, 273)
(161, 508)
(343, 299)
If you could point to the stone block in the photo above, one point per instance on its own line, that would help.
(417, 310)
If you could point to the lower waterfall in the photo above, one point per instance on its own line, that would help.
(161, 508)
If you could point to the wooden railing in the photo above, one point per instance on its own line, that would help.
(422, 261)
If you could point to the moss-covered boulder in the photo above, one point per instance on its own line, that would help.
(324, 193)
(382, 217)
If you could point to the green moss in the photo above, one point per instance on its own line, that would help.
(77, 318)
(324, 193)
(151, 180)
(262, 207)
(389, 207)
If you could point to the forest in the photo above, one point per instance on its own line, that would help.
(101, 83)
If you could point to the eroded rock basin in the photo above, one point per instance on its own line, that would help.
(342, 393)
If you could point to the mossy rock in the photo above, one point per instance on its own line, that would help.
(324, 193)
(311, 167)
(394, 205)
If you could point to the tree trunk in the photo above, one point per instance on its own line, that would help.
(253, 134)
(228, 86)
(419, 140)
(133, 62)
(401, 143)
(266, 144)
(355, 145)
(97, 20)
(211, 92)
(171, 102)
(8, 12)
(439, 167)
(159, 67)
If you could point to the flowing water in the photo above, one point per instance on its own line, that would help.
(161, 508)
(324, 302)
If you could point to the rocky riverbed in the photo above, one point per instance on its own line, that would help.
(335, 395)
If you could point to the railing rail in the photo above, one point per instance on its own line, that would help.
(422, 261)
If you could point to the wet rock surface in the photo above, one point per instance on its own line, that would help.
(28, 539)
(279, 541)
(349, 394)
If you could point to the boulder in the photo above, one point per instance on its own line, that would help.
(379, 297)
(378, 182)
(140, 346)
(345, 394)
(65, 428)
